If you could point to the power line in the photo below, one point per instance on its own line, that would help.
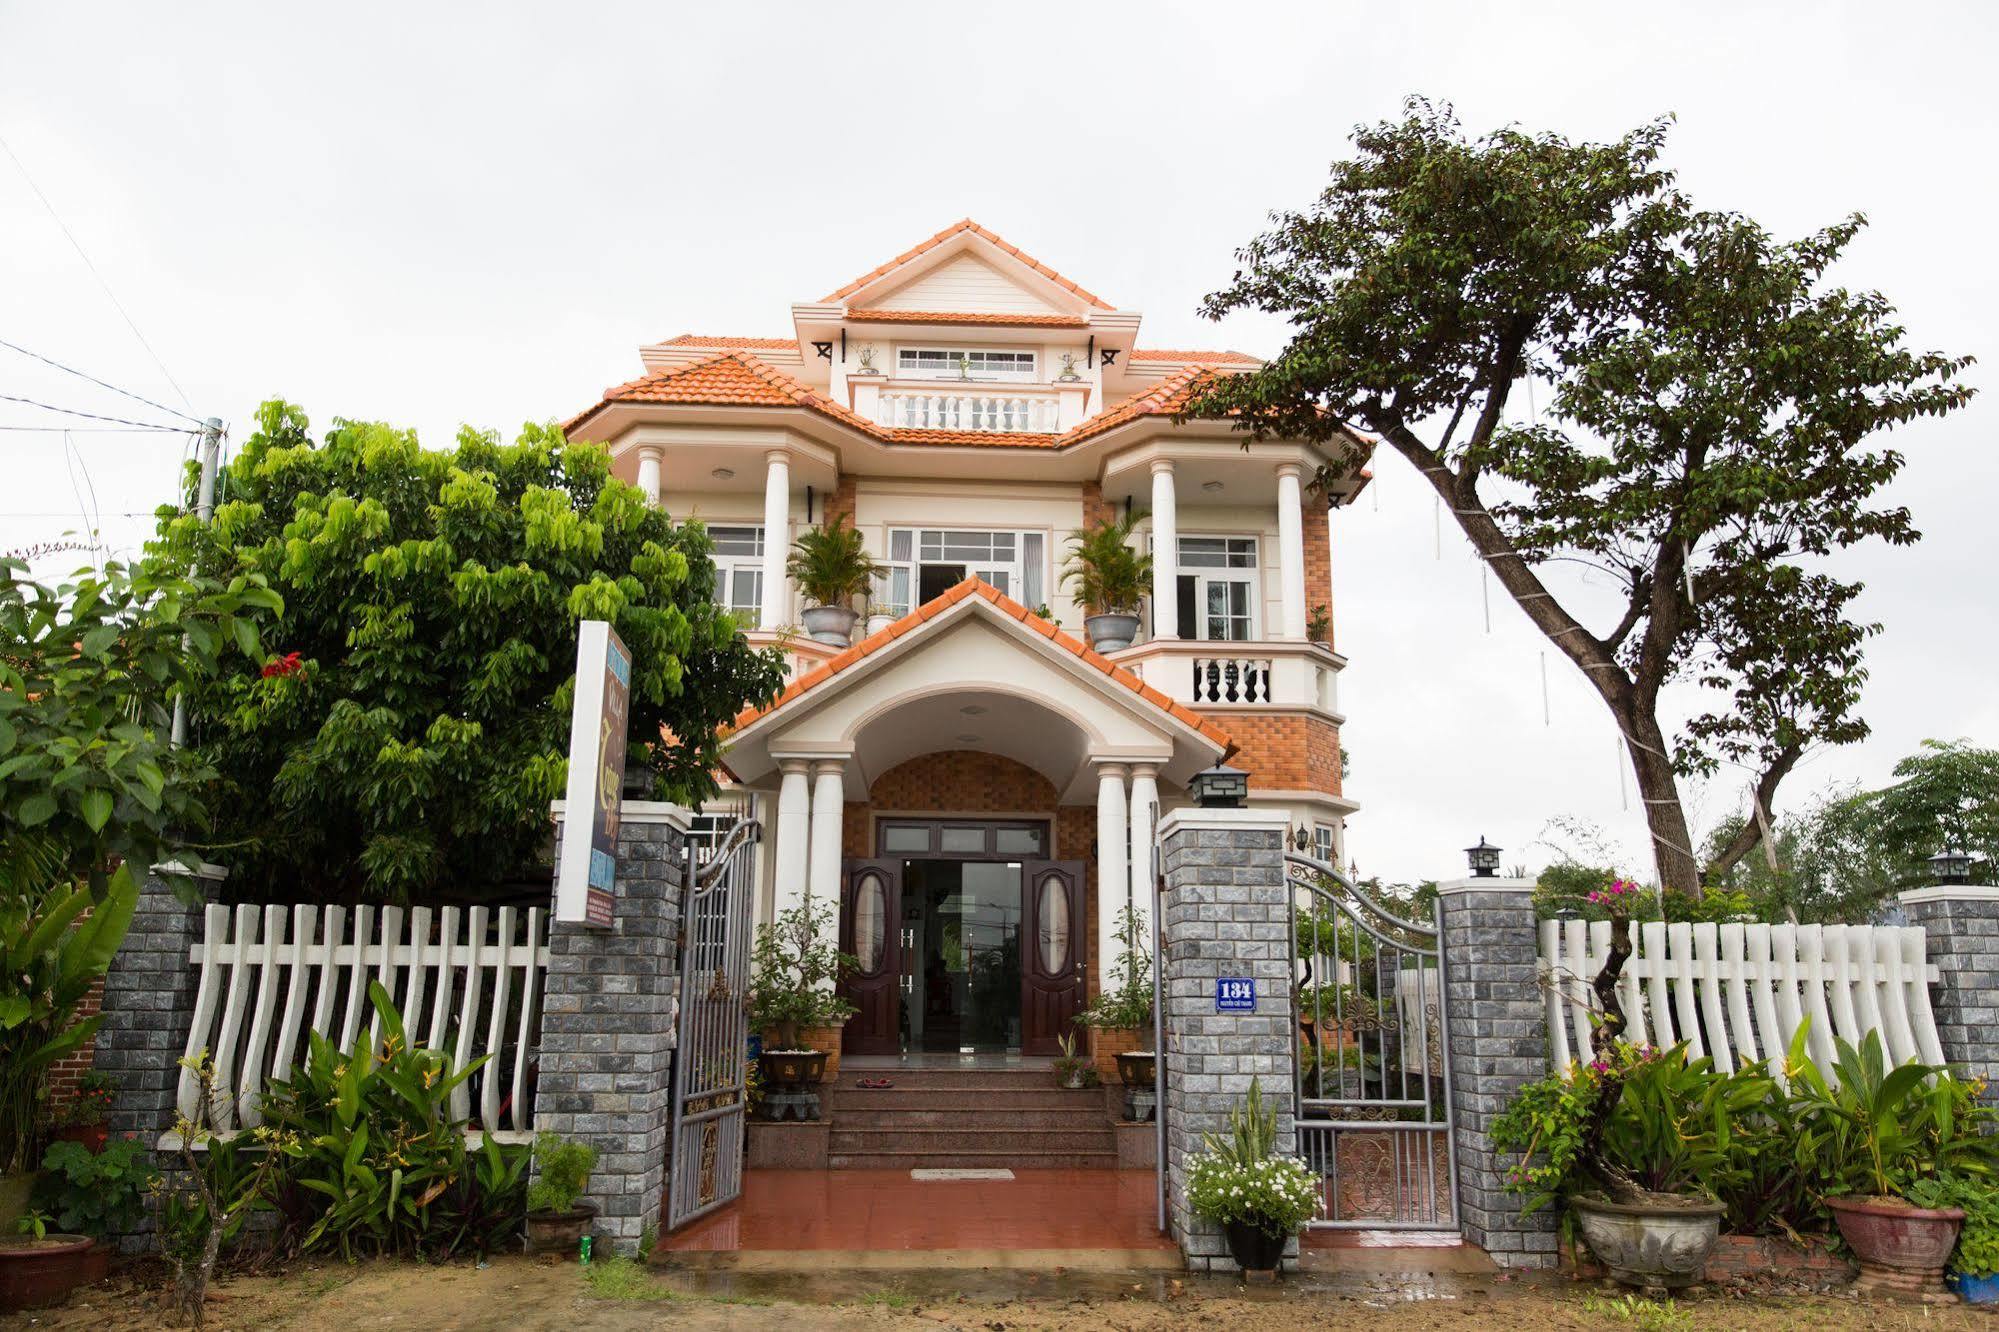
(161, 407)
(99, 430)
(118, 420)
(112, 296)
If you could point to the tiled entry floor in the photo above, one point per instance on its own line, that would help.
(880, 1210)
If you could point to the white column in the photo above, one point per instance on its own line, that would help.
(1165, 552)
(822, 877)
(777, 538)
(1144, 824)
(649, 459)
(1113, 857)
(794, 824)
(1291, 549)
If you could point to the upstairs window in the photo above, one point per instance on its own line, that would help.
(1216, 581)
(964, 363)
(739, 567)
(924, 563)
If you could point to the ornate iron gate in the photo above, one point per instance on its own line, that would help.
(1372, 1084)
(711, 1056)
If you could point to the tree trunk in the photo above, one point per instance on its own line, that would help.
(1665, 817)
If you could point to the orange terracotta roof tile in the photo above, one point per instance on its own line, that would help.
(733, 343)
(739, 379)
(931, 609)
(966, 224)
(968, 317)
(1192, 357)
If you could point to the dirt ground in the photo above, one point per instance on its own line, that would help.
(522, 1293)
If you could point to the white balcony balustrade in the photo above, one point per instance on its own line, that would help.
(1231, 679)
(1013, 413)
(1273, 673)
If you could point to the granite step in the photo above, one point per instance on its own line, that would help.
(1001, 1097)
(883, 1118)
(919, 1160)
(942, 1141)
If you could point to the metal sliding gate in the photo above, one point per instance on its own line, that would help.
(1372, 1087)
(711, 1055)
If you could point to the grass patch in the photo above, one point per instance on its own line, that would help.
(1643, 1314)
(890, 1297)
(623, 1279)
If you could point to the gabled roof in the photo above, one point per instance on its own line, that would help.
(1029, 623)
(967, 317)
(1192, 357)
(739, 379)
(957, 228)
(744, 344)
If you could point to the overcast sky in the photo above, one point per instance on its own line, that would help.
(438, 214)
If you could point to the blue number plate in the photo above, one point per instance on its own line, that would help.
(1235, 994)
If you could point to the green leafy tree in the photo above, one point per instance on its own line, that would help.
(411, 725)
(1709, 398)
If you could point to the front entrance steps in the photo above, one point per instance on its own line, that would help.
(967, 1119)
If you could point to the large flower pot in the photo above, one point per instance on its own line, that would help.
(560, 1233)
(1898, 1245)
(1254, 1250)
(1110, 633)
(1136, 1068)
(1657, 1245)
(37, 1272)
(831, 625)
(791, 1070)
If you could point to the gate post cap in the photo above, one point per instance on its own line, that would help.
(1446, 887)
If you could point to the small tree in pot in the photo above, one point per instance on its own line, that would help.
(1111, 578)
(792, 997)
(1121, 1017)
(556, 1216)
(831, 567)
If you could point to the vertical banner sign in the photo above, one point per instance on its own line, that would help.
(587, 874)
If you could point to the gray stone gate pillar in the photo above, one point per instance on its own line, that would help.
(1962, 922)
(149, 1003)
(607, 1025)
(1497, 1020)
(1227, 914)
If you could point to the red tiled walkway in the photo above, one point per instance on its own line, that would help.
(886, 1209)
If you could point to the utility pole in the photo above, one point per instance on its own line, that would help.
(204, 509)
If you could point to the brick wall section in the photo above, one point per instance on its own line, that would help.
(1499, 1041)
(1318, 560)
(1096, 509)
(841, 501)
(1284, 751)
(1227, 914)
(607, 1033)
(66, 1072)
(1963, 929)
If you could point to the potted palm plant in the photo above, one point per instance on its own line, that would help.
(1110, 578)
(831, 567)
(793, 1002)
(1259, 1198)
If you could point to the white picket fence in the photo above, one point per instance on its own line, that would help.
(465, 980)
(1739, 992)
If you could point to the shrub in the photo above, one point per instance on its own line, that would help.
(564, 1173)
(1128, 1002)
(793, 969)
(376, 1162)
(1240, 1179)
(96, 1193)
(1110, 576)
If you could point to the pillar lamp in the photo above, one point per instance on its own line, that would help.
(1950, 866)
(1484, 859)
(1220, 787)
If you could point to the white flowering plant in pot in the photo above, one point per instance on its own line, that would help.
(1259, 1198)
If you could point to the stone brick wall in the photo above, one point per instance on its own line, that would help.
(1227, 914)
(1963, 928)
(1284, 751)
(1499, 1041)
(607, 1031)
(148, 1006)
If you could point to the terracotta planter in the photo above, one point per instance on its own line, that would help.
(1898, 1245)
(559, 1233)
(1657, 1246)
(1107, 1043)
(1254, 1250)
(92, 1136)
(34, 1273)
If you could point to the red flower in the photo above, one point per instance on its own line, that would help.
(289, 664)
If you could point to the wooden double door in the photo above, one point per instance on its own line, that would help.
(962, 954)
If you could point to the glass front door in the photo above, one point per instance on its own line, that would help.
(962, 919)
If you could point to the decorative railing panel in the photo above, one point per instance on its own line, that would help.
(466, 980)
(984, 412)
(1739, 992)
(1231, 679)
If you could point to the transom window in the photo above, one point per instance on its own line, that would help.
(739, 567)
(947, 363)
(1216, 580)
(949, 839)
(927, 562)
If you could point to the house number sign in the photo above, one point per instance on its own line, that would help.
(1235, 994)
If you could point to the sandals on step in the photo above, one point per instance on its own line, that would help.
(874, 1084)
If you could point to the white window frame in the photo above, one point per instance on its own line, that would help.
(1016, 570)
(948, 371)
(728, 565)
(1326, 843)
(1203, 575)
